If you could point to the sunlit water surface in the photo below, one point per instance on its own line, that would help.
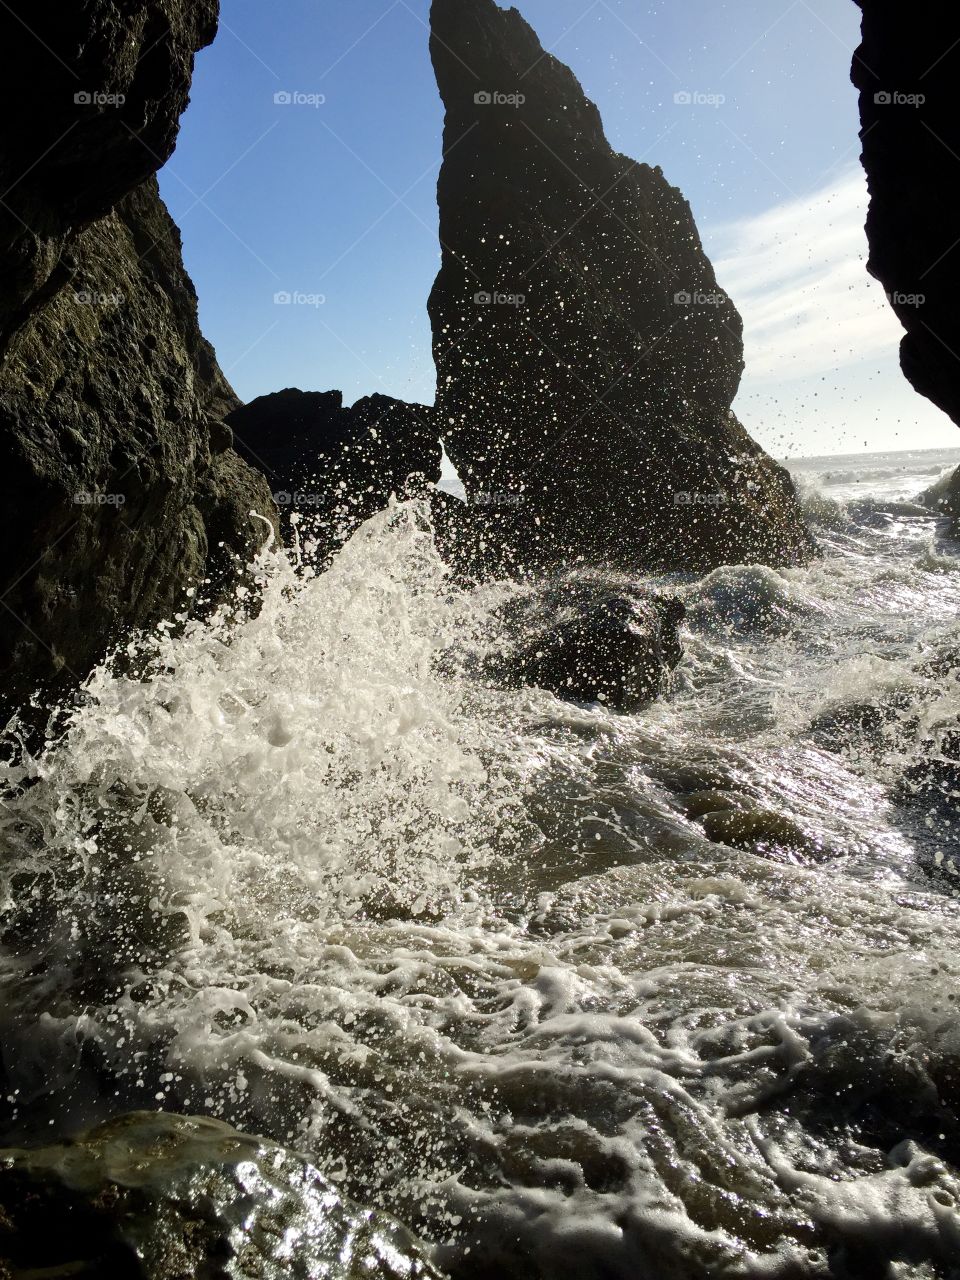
(472, 949)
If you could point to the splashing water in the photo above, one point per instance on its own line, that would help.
(306, 766)
(472, 949)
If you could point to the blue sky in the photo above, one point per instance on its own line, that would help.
(332, 196)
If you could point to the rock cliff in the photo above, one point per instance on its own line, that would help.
(587, 357)
(907, 69)
(117, 483)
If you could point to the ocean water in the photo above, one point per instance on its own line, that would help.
(474, 951)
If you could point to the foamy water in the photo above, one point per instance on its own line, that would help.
(473, 950)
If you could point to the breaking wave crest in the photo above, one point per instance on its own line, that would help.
(477, 950)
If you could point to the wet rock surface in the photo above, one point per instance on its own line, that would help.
(588, 639)
(150, 1196)
(587, 357)
(944, 498)
(932, 780)
(906, 69)
(335, 465)
(118, 484)
(758, 831)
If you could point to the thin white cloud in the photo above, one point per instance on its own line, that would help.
(797, 273)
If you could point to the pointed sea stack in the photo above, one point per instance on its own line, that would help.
(587, 358)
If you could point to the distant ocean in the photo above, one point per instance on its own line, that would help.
(902, 475)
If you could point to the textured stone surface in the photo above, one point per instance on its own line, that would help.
(911, 153)
(151, 1196)
(587, 405)
(337, 466)
(116, 484)
(591, 638)
(68, 162)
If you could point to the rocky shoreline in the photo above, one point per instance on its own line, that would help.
(587, 363)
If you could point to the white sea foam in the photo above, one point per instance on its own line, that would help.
(470, 948)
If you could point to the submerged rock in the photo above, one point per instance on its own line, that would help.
(907, 68)
(587, 358)
(876, 726)
(118, 484)
(698, 804)
(586, 639)
(758, 831)
(944, 497)
(932, 781)
(337, 466)
(151, 1196)
(749, 599)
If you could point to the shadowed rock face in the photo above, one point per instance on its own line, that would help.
(150, 1196)
(337, 466)
(590, 638)
(587, 358)
(117, 483)
(911, 153)
(68, 162)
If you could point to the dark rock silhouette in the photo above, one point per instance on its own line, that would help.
(333, 465)
(587, 358)
(759, 831)
(117, 484)
(907, 70)
(99, 91)
(587, 638)
(151, 1196)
